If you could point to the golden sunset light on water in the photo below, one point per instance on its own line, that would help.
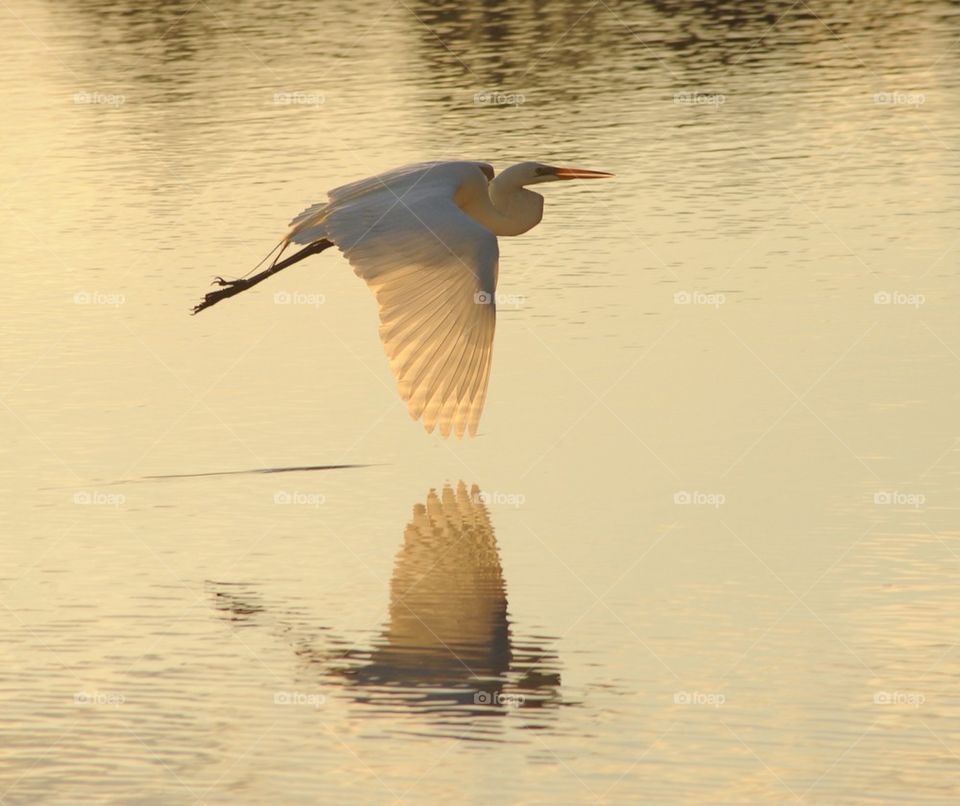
(588, 434)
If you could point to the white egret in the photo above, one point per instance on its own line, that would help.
(424, 237)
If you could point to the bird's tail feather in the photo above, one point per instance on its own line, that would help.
(308, 226)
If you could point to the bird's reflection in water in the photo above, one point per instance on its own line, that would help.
(447, 649)
(448, 640)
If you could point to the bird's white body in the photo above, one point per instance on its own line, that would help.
(424, 238)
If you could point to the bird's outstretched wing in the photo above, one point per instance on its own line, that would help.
(434, 272)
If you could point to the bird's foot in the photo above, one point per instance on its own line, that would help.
(230, 283)
(227, 289)
(230, 287)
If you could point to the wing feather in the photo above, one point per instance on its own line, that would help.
(433, 270)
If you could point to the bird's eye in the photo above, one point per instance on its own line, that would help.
(539, 171)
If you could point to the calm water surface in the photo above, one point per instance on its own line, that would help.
(705, 548)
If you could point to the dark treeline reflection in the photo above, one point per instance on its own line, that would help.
(615, 43)
(447, 647)
(459, 43)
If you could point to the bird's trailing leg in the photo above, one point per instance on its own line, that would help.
(231, 287)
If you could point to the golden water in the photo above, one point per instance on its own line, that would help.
(705, 548)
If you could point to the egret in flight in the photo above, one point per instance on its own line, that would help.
(424, 238)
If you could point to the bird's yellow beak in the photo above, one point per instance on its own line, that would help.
(579, 173)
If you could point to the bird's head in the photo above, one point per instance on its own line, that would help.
(522, 209)
(533, 173)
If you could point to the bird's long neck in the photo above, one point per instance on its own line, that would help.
(507, 208)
